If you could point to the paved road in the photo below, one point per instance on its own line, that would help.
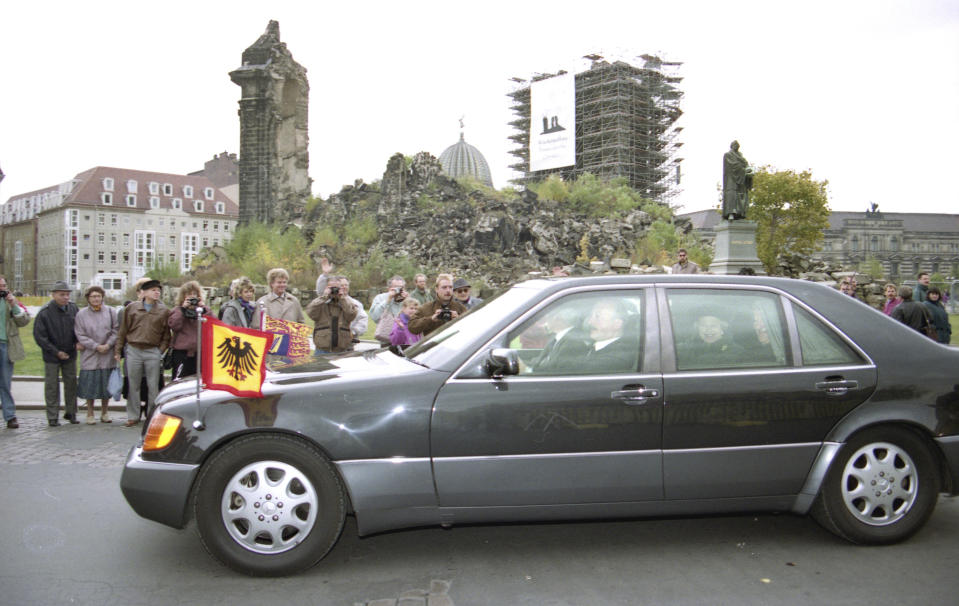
(68, 537)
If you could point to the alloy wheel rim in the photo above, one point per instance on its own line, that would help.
(269, 507)
(879, 484)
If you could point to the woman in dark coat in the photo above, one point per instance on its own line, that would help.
(940, 319)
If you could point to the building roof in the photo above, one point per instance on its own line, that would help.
(463, 160)
(703, 219)
(85, 189)
(917, 222)
(911, 222)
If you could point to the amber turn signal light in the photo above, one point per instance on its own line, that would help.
(161, 431)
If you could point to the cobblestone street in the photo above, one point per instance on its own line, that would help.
(102, 445)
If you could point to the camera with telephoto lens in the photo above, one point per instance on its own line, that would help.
(334, 291)
(3, 294)
(193, 301)
(445, 314)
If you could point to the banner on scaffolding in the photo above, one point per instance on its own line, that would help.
(552, 138)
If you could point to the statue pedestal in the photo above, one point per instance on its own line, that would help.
(736, 248)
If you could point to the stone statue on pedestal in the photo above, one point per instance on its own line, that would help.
(737, 181)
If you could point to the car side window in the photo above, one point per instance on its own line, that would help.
(819, 344)
(583, 334)
(734, 329)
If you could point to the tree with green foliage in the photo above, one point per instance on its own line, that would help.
(662, 241)
(791, 211)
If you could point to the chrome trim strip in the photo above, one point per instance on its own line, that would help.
(556, 455)
(558, 378)
(718, 449)
(766, 371)
(392, 460)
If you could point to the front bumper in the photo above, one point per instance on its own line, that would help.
(157, 491)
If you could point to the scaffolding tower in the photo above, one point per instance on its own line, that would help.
(625, 125)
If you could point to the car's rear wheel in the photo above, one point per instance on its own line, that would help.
(881, 488)
(268, 505)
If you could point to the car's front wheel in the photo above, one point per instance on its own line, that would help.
(268, 505)
(881, 488)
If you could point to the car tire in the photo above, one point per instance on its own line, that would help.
(268, 505)
(881, 488)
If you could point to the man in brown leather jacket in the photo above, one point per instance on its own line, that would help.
(440, 310)
(332, 313)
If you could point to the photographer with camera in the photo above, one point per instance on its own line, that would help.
(440, 310)
(359, 324)
(386, 307)
(332, 313)
(183, 322)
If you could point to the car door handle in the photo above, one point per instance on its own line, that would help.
(837, 387)
(634, 396)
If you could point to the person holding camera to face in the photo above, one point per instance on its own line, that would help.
(332, 313)
(386, 307)
(183, 322)
(440, 310)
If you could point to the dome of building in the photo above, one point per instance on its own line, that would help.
(464, 160)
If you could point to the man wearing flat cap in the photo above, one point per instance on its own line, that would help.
(461, 290)
(143, 337)
(53, 332)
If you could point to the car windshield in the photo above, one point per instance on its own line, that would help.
(452, 337)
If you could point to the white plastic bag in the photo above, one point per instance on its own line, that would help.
(115, 384)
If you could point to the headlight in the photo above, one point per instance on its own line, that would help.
(161, 431)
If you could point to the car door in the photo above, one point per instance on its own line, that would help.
(753, 384)
(577, 425)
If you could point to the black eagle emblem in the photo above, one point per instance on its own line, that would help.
(237, 358)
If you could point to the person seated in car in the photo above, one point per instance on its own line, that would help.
(712, 348)
(609, 349)
(566, 345)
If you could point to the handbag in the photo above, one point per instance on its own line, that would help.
(115, 384)
(928, 327)
(168, 359)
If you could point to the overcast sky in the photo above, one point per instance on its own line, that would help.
(865, 94)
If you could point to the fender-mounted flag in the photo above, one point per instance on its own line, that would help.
(233, 358)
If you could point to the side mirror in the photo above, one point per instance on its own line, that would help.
(502, 361)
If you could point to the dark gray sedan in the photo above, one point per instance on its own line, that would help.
(576, 398)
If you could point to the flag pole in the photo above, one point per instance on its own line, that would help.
(200, 319)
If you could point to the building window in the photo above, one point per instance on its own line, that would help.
(86, 237)
(172, 257)
(113, 258)
(167, 189)
(198, 206)
(154, 202)
(226, 226)
(187, 191)
(126, 239)
(101, 239)
(143, 248)
(154, 187)
(113, 238)
(86, 256)
(101, 219)
(894, 244)
(131, 186)
(874, 243)
(131, 199)
(206, 225)
(172, 241)
(208, 193)
(216, 226)
(189, 246)
(106, 198)
(177, 203)
(855, 243)
(100, 256)
(220, 208)
(126, 258)
(108, 184)
(206, 242)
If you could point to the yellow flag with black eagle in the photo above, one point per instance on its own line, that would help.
(233, 358)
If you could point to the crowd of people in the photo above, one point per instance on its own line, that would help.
(145, 336)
